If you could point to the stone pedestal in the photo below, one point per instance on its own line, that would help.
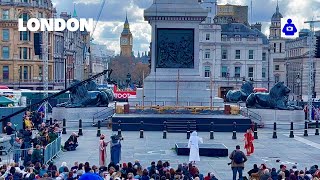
(283, 118)
(72, 115)
(175, 78)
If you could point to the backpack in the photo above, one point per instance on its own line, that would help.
(238, 157)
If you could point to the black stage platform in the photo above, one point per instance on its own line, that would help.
(154, 122)
(210, 150)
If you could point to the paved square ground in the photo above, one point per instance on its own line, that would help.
(302, 151)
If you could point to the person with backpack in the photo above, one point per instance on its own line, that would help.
(238, 158)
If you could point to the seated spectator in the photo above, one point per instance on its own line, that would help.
(254, 170)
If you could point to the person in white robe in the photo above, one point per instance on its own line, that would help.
(194, 147)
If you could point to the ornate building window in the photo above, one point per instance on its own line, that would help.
(207, 54)
(237, 56)
(264, 56)
(5, 52)
(224, 71)
(264, 72)
(5, 14)
(207, 37)
(224, 54)
(250, 54)
(207, 71)
(5, 73)
(237, 72)
(5, 35)
(250, 72)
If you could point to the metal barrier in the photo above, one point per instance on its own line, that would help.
(52, 150)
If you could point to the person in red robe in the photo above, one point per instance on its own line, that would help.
(102, 151)
(248, 142)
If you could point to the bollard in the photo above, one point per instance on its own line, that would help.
(164, 130)
(80, 128)
(119, 128)
(234, 132)
(64, 131)
(188, 129)
(274, 136)
(255, 133)
(141, 129)
(98, 129)
(305, 129)
(317, 128)
(291, 131)
(211, 130)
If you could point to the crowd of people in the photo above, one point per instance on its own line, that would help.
(28, 142)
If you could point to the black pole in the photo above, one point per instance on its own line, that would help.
(50, 121)
(291, 131)
(141, 129)
(164, 130)
(64, 131)
(255, 133)
(317, 128)
(234, 132)
(119, 128)
(188, 129)
(211, 130)
(274, 136)
(80, 128)
(98, 129)
(305, 129)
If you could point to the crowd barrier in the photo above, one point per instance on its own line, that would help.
(52, 150)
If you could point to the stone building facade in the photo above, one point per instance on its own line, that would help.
(20, 67)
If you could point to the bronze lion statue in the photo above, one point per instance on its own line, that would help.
(277, 98)
(86, 95)
(242, 94)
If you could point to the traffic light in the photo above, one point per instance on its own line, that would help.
(317, 48)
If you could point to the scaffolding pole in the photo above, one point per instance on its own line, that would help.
(45, 70)
(311, 68)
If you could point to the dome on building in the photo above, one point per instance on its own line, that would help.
(277, 14)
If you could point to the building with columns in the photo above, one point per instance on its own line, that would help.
(231, 53)
(21, 64)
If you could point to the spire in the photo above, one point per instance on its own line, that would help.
(74, 11)
(277, 9)
(126, 22)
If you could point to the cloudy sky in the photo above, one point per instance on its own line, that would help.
(112, 18)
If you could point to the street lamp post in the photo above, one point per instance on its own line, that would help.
(298, 79)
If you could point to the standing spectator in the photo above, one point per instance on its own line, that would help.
(27, 158)
(36, 155)
(9, 130)
(16, 150)
(237, 165)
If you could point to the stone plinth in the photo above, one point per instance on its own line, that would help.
(175, 75)
(72, 115)
(283, 118)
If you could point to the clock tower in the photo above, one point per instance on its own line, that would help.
(126, 40)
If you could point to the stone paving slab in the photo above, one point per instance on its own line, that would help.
(152, 148)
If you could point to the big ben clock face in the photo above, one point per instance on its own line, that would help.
(124, 41)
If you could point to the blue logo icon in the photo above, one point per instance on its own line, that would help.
(289, 29)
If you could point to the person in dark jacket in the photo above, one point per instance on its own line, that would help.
(27, 158)
(36, 155)
(254, 170)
